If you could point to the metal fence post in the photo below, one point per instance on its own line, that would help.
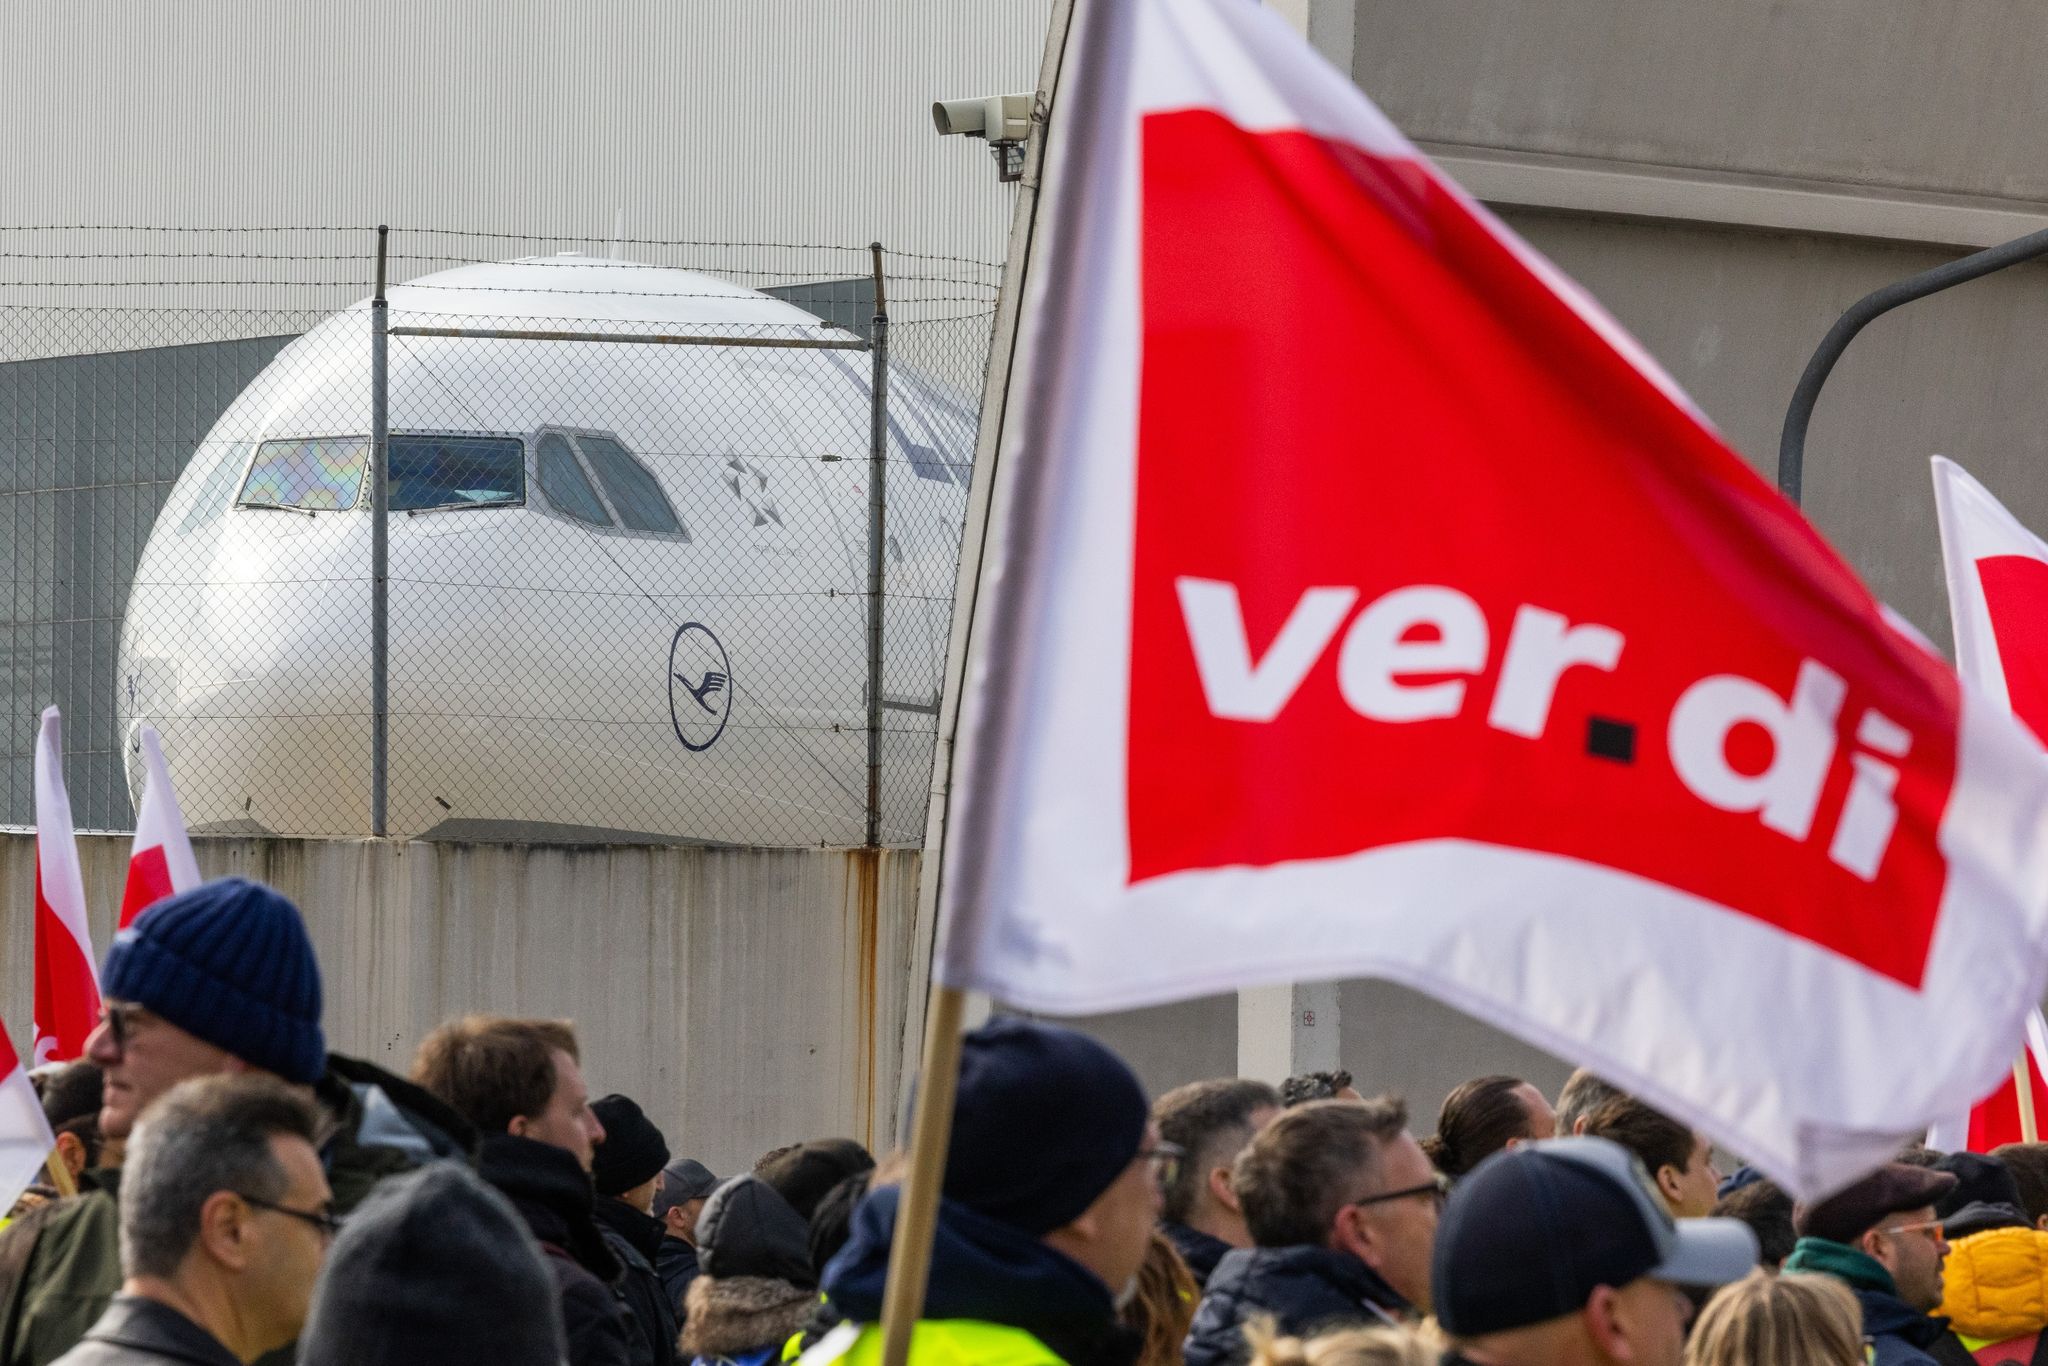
(380, 549)
(878, 531)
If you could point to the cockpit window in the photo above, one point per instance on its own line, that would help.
(211, 499)
(630, 485)
(563, 481)
(312, 474)
(431, 470)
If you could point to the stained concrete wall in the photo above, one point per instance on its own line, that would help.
(746, 999)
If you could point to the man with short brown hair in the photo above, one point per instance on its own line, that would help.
(1211, 1122)
(1679, 1160)
(1342, 1207)
(520, 1082)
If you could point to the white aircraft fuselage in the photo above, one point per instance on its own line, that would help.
(628, 582)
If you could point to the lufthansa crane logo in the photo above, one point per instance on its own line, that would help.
(699, 686)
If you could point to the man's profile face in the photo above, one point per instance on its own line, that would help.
(282, 1270)
(1651, 1316)
(1910, 1245)
(567, 1122)
(1699, 1183)
(141, 1055)
(1403, 1231)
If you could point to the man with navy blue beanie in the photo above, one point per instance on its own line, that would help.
(221, 978)
(1049, 1201)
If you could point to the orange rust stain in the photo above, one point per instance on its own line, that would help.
(867, 933)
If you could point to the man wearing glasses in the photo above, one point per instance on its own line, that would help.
(217, 980)
(1881, 1237)
(1342, 1206)
(225, 1220)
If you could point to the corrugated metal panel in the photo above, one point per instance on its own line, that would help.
(781, 121)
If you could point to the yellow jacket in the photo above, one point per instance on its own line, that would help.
(1996, 1284)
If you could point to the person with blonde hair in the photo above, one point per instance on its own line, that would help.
(1162, 1303)
(1790, 1320)
(1375, 1345)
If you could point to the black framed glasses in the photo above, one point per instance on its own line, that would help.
(121, 1018)
(1166, 1160)
(327, 1224)
(1436, 1190)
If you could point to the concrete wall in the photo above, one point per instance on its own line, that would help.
(745, 999)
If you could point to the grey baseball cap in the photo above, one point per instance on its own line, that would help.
(1531, 1232)
(686, 1179)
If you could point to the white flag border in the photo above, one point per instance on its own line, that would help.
(1051, 746)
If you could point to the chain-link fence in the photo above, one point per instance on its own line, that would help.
(666, 547)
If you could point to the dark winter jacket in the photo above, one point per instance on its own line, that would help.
(553, 1195)
(1304, 1289)
(139, 1332)
(757, 1289)
(983, 1272)
(635, 1239)
(1201, 1251)
(676, 1263)
(1898, 1334)
(58, 1272)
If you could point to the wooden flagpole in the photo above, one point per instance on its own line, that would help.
(910, 1248)
(2023, 1088)
(59, 1174)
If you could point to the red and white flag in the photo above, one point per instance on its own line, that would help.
(162, 862)
(1997, 573)
(25, 1138)
(67, 975)
(1361, 600)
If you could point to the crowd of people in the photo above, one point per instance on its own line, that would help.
(244, 1195)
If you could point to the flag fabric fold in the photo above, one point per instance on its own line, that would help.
(67, 990)
(25, 1137)
(1997, 575)
(1361, 600)
(162, 861)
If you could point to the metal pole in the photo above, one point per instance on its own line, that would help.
(380, 549)
(1792, 441)
(934, 1033)
(878, 535)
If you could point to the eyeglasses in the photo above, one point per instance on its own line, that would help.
(1436, 1190)
(1927, 1228)
(121, 1018)
(1166, 1159)
(327, 1224)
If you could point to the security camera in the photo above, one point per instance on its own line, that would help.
(1004, 120)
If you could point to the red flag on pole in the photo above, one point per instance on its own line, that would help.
(67, 978)
(162, 861)
(1997, 574)
(1361, 600)
(25, 1138)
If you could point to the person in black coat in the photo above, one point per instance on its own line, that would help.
(626, 1168)
(757, 1289)
(679, 1196)
(1342, 1208)
(520, 1084)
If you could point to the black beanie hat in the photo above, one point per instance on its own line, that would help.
(228, 962)
(434, 1266)
(1045, 1119)
(805, 1174)
(633, 1149)
(1980, 1180)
